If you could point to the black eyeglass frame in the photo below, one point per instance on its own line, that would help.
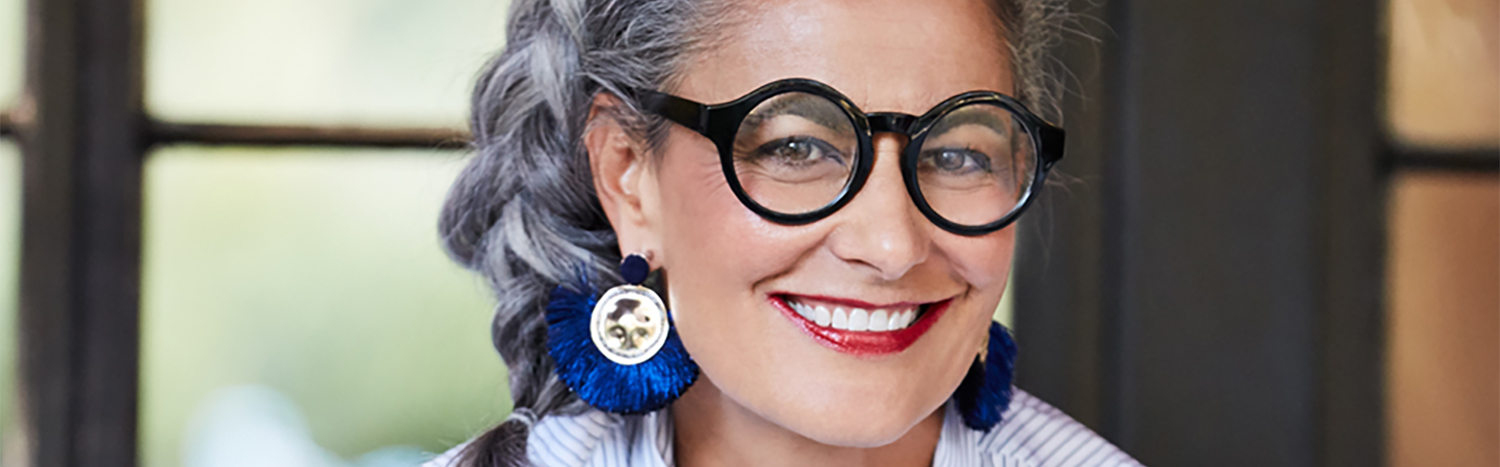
(720, 123)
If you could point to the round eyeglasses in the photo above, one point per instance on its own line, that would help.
(795, 151)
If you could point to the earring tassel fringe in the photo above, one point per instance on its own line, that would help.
(986, 392)
(604, 384)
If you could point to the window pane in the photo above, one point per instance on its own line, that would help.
(334, 61)
(10, 262)
(1443, 330)
(1445, 72)
(297, 308)
(12, 51)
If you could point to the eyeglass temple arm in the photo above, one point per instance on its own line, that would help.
(682, 111)
(1052, 144)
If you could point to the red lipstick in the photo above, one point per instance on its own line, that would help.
(864, 343)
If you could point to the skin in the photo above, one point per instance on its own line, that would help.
(769, 394)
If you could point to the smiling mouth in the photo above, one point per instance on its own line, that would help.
(860, 328)
(852, 318)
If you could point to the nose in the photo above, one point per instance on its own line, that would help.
(881, 228)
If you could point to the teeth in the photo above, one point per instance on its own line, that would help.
(878, 321)
(859, 320)
(856, 319)
(803, 310)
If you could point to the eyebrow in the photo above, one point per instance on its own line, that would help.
(985, 119)
(832, 116)
(825, 113)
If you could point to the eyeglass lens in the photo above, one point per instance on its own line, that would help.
(796, 152)
(975, 165)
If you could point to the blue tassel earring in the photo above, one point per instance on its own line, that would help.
(986, 392)
(620, 352)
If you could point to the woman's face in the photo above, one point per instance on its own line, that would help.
(732, 274)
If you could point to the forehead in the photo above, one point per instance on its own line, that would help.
(886, 55)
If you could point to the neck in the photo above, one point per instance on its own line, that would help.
(712, 430)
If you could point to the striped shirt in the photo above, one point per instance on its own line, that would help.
(1031, 434)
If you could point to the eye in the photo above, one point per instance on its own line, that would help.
(956, 161)
(797, 151)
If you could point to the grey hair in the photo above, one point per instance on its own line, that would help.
(523, 214)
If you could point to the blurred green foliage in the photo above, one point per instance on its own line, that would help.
(12, 50)
(10, 262)
(11, 75)
(327, 61)
(316, 273)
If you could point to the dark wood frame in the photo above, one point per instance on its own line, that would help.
(1116, 271)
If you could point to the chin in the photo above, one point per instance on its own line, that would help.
(854, 427)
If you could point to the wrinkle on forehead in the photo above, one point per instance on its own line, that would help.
(886, 55)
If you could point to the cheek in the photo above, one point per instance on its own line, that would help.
(983, 262)
(714, 251)
(705, 229)
(713, 248)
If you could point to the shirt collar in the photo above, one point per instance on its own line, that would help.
(646, 440)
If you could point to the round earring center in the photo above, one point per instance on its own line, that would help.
(629, 324)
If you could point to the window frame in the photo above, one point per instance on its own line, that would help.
(84, 137)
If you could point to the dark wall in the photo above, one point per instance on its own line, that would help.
(1207, 290)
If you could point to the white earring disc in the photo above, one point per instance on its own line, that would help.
(629, 324)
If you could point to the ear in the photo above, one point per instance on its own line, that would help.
(624, 178)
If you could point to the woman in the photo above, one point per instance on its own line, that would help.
(822, 193)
